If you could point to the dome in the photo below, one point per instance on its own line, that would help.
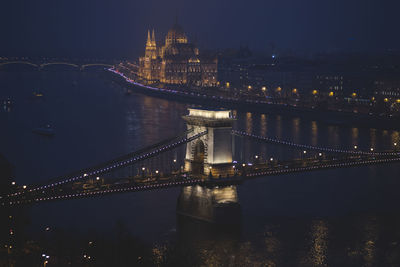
(175, 35)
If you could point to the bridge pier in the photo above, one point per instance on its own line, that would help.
(211, 154)
(215, 205)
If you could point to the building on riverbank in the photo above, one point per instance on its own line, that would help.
(177, 61)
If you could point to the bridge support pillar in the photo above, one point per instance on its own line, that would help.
(211, 153)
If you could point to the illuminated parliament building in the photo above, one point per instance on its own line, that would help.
(176, 62)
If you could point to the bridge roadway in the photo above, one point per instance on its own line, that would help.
(120, 162)
(174, 142)
(243, 173)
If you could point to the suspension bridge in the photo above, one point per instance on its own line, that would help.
(204, 155)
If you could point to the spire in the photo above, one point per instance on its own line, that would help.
(148, 42)
(153, 38)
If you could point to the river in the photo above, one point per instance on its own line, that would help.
(341, 217)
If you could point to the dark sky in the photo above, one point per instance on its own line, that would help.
(116, 28)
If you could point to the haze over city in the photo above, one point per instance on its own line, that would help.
(117, 28)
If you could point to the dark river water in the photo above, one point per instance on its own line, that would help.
(341, 217)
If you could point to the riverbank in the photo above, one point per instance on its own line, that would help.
(317, 114)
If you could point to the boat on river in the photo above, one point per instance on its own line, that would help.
(37, 94)
(7, 103)
(45, 131)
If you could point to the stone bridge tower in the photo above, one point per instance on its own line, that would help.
(211, 152)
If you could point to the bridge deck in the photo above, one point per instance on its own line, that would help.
(183, 179)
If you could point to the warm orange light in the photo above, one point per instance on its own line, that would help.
(278, 89)
(228, 84)
(294, 91)
(397, 100)
(314, 92)
(331, 93)
(353, 95)
(264, 88)
(385, 99)
(249, 87)
(373, 98)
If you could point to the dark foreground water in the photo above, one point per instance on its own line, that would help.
(342, 217)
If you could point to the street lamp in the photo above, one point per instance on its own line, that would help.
(372, 149)
(355, 147)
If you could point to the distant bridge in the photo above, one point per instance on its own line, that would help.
(208, 162)
(41, 66)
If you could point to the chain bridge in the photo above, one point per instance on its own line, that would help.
(205, 154)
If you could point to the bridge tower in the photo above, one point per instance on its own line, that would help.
(212, 152)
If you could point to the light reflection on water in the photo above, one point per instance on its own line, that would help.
(295, 220)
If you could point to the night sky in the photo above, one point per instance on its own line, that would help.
(117, 28)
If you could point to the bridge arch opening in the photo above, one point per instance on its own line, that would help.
(198, 157)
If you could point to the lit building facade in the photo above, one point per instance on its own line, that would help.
(176, 61)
